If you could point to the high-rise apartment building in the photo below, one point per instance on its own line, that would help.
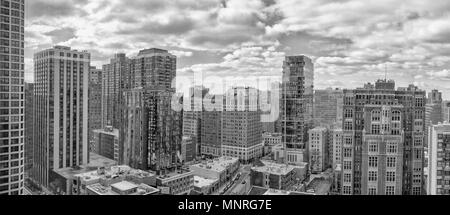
(12, 97)
(439, 159)
(116, 78)
(29, 109)
(152, 130)
(328, 107)
(154, 67)
(383, 140)
(241, 125)
(60, 111)
(95, 101)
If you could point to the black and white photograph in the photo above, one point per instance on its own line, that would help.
(243, 101)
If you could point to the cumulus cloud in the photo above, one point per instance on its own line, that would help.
(348, 39)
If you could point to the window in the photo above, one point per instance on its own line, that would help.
(391, 148)
(347, 178)
(348, 113)
(390, 190)
(372, 191)
(391, 162)
(348, 153)
(375, 129)
(376, 116)
(347, 165)
(373, 162)
(373, 176)
(396, 116)
(347, 190)
(373, 147)
(390, 176)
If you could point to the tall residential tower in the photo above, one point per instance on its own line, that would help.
(12, 97)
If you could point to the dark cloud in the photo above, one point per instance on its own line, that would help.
(61, 35)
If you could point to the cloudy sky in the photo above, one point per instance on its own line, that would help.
(350, 41)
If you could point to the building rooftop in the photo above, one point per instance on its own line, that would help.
(319, 186)
(141, 189)
(261, 191)
(203, 182)
(275, 168)
(218, 164)
(108, 130)
(175, 175)
(95, 161)
(113, 172)
(124, 186)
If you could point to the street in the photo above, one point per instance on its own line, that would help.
(240, 188)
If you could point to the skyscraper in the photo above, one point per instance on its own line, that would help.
(192, 116)
(152, 130)
(328, 107)
(29, 110)
(211, 128)
(383, 140)
(116, 78)
(60, 110)
(95, 101)
(12, 97)
(241, 125)
(296, 105)
(439, 160)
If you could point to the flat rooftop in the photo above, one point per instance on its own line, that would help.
(218, 165)
(141, 189)
(277, 168)
(96, 161)
(203, 182)
(124, 186)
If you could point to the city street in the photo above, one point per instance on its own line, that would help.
(239, 187)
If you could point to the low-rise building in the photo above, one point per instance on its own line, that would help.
(121, 188)
(206, 186)
(272, 139)
(180, 182)
(222, 169)
(277, 176)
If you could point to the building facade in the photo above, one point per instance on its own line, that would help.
(439, 160)
(211, 141)
(95, 101)
(328, 107)
(383, 140)
(60, 110)
(296, 100)
(106, 143)
(29, 102)
(116, 78)
(241, 125)
(193, 114)
(12, 98)
(318, 149)
(434, 112)
(152, 130)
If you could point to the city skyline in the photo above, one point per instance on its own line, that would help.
(410, 39)
(299, 98)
